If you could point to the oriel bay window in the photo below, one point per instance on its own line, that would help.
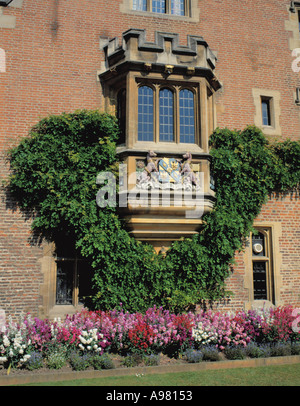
(162, 92)
(166, 114)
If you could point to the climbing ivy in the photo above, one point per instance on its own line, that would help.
(53, 177)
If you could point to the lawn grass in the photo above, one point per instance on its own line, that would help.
(277, 375)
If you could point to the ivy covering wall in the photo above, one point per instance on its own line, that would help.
(53, 177)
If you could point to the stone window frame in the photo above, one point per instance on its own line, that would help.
(273, 96)
(272, 232)
(191, 6)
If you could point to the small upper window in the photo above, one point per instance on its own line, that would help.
(266, 111)
(175, 7)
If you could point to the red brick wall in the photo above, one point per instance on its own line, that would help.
(52, 58)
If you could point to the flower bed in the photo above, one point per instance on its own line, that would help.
(91, 339)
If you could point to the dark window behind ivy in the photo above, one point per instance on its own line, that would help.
(64, 282)
(73, 274)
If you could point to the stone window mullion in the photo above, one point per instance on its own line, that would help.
(176, 115)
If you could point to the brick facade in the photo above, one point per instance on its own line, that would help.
(52, 60)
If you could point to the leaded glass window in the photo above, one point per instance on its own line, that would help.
(177, 7)
(145, 114)
(187, 116)
(140, 5)
(260, 280)
(159, 6)
(166, 115)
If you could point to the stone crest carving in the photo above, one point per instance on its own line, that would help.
(167, 173)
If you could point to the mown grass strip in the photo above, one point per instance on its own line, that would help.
(276, 375)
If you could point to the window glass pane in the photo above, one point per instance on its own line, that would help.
(145, 114)
(177, 7)
(159, 6)
(166, 116)
(260, 281)
(64, 282)
(187, 116)
(265, 106)
(140, 5)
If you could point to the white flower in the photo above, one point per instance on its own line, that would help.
(25, 358)
(89, 347)
(83, 340)
(6, 341)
